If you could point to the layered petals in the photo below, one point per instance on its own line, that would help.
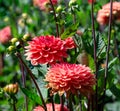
(104, 13)
(49, 108)
(70, 78)
(47, 50)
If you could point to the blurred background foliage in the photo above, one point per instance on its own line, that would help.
(24, 18)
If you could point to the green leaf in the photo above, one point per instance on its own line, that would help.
(115, 91)
(70, 31)
(32, 95)
(112, 62)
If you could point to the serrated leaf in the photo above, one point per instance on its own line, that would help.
(32, 95)
(70, 31)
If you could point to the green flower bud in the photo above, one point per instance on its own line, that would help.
(59, 8)
(14, 40)
(11, 88)
(11, 48)
(26, 37)
(72, 2)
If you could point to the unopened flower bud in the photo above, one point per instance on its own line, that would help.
(83, 58)
(14, 40)
(72, 2)
(11, 48)
(24, 15)
(6, 19)
(59, 8)
(26, 37)
(11, 88)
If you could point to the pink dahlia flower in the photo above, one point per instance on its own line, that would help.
(42, 4)
(70, 78)
(104, 13)
(45, 49)
(69, 43)
(49, 107)
(5, 35)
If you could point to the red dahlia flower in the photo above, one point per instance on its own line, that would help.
(5, 35)
(47, 49)
(104, 13)
(70, 78)
(49, 108)
(42, 4)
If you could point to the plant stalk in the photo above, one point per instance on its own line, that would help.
(32, 77)
(95, 51)
(107, 53)
(55, 17)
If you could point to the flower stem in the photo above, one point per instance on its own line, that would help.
(1, 62)
(53, 107)
(95, 57)
(56, 21)
(24, 84)
(107, 53)
(62, 103)
(32, 77)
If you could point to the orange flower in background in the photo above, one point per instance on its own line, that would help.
(91, 1)
(70, 78)
(5, 35)
(42, 4)
(47, 49)
(104, 13)
(49, 108)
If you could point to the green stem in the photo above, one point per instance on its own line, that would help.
(56, 21)
(32, 77)
(107, 53)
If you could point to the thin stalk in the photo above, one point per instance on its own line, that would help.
(1, 62)
(14, 105)
(107, 53)
(95, 57)
(55, 17)
(80, 103)
(24, 84)
(32, 77)
(53, 107)
(62, 103)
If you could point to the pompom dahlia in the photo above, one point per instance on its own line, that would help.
(45, 49)
(5, 35)
(104, 13)
(70, 78)
(49, 108)
(42, 4)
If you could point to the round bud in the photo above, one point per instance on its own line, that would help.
(72, 2)
(26, 37)
(11, 48)
(11, 88)
(14, 40)
(59, 8)
(24, 15)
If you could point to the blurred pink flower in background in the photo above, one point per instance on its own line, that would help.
(47, 49)
(104, 13)
(70, 78)
(42, 4)
(5, 35)
(91, 1)
(49, 107)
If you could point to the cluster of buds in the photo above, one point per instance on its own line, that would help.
(16, 44)
(11, 89)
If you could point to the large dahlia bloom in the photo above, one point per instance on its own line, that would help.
(49, 108)
(47, 49)
(5, 35)
(104, 13)
(42, 4)
(70, 78)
